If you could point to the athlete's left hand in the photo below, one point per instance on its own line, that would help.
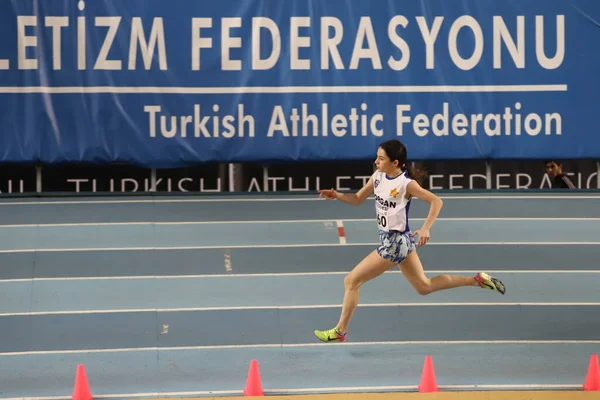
(423, 236)
(329, 194)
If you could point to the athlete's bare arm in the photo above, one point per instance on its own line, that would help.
(415, 190)
(349, 198)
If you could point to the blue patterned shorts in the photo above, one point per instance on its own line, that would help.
(395, 246)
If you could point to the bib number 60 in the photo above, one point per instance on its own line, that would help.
(381, 220)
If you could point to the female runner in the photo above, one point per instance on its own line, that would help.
(394, 186)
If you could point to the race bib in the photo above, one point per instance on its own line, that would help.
(382, 220)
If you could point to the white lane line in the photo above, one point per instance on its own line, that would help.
(287, 274)
(298, 307)
(289, 221)
(227, 199)
(323, 390)
(302, 345)
(275, 246)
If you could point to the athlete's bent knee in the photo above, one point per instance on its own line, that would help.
(423, 287)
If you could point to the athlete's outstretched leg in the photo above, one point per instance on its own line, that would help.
(412, 269)
(370, 267)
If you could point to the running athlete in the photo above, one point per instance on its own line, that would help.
(394, 186)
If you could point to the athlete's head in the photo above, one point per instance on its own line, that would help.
(391, 159)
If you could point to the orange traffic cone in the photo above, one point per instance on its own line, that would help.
(592, 379)
(253, 384)
(428, 382)
(81, 391)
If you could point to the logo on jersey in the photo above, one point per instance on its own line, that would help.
(376, 182)
(394, 192)
(384, 204)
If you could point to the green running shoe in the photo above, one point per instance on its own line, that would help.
(489, 282)
(331, 335)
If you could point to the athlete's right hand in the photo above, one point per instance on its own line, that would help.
(330, 194)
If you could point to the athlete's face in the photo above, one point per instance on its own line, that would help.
(383, 162)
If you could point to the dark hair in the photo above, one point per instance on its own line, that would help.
(557, 162)
(396, 150)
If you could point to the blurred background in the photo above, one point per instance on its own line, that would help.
(148, 96)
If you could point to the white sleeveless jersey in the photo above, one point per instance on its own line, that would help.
(390, 204)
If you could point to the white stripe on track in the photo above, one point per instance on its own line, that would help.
(227, 199)
(274, 246)
(286, 274)
(287, 221)
(299, 307)
(323, 390)
(302, 345)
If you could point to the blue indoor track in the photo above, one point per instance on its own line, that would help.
(174, 296)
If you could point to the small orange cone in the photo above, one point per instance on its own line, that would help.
(592, 379)
(428, 382)
(81, 391)
(253, 384)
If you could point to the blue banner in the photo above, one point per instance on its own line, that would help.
(168, 84)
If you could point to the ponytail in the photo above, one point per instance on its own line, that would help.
(396, 150)
(414, 173)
